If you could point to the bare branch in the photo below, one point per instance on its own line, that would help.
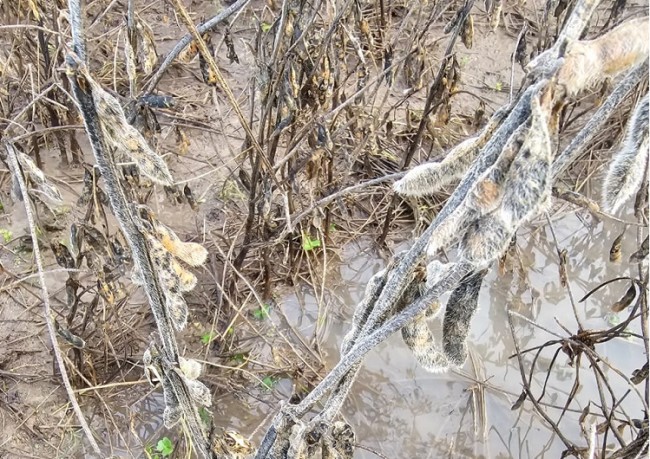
(187, 39)
(49, 321)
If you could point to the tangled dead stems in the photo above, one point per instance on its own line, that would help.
(17, 174)
(587, 343)
(314, 108)
(183, 394)
(386, 290)
(187, 39)
(374, 331)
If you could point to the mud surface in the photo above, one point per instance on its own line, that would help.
(400, 411)
(397, 410)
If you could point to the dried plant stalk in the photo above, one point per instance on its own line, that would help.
(509, 197)
(628, 167)
(13, 161)
(102, 115)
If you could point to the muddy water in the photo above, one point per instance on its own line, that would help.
(400, 411)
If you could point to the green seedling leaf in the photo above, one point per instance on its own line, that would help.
(6, 235)
(498, 86)
(150, 453)
(165, 447)
(239, 358)
(308, 243)
(266, 27)
(269, 382)
(205, 416)
(612, 319)
(262, 312)
(207, 338)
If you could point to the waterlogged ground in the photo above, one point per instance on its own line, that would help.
(399, 410)
(396, 409)
(402, 411)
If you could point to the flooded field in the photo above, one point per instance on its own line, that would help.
(194, 197)
(398, 410)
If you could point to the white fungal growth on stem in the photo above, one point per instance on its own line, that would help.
(588, 62)
(628, 167)
(425, 179)
(119, 135)
(524, 192)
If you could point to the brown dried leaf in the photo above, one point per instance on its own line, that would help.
(187, 192)
(106, 291)
(120, 135)
(33, 6)
(584, 413)
(364, 27)
(362, 80)
(189, 53)
(208, 74)
(87, 190)
(615, 250)
(187, 280)
(95, 239)
(621, 428)
(641, 254)
(294, 86)
(503, 268)
(520, 401)
(63, 256)
(148, 55)
(158, 101)
(626, 300)
(640, 374)
(189, 252)
(641, 201)
(521, 57)
(76, 238)
(467, 34)
(495, 16)
(232, 54)
(563, 254)
(38, 183)
(71, 338)
(388, 62)
(71, 287)
(454, 75)
(182, 141)
(560, 8)
(602, 427)
(169, 282)
(130, 60)
(479, 115)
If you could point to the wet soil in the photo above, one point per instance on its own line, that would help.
(397, 410)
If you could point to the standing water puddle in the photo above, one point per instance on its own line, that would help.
(400, 411)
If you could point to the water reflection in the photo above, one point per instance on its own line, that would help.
(401, 411)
